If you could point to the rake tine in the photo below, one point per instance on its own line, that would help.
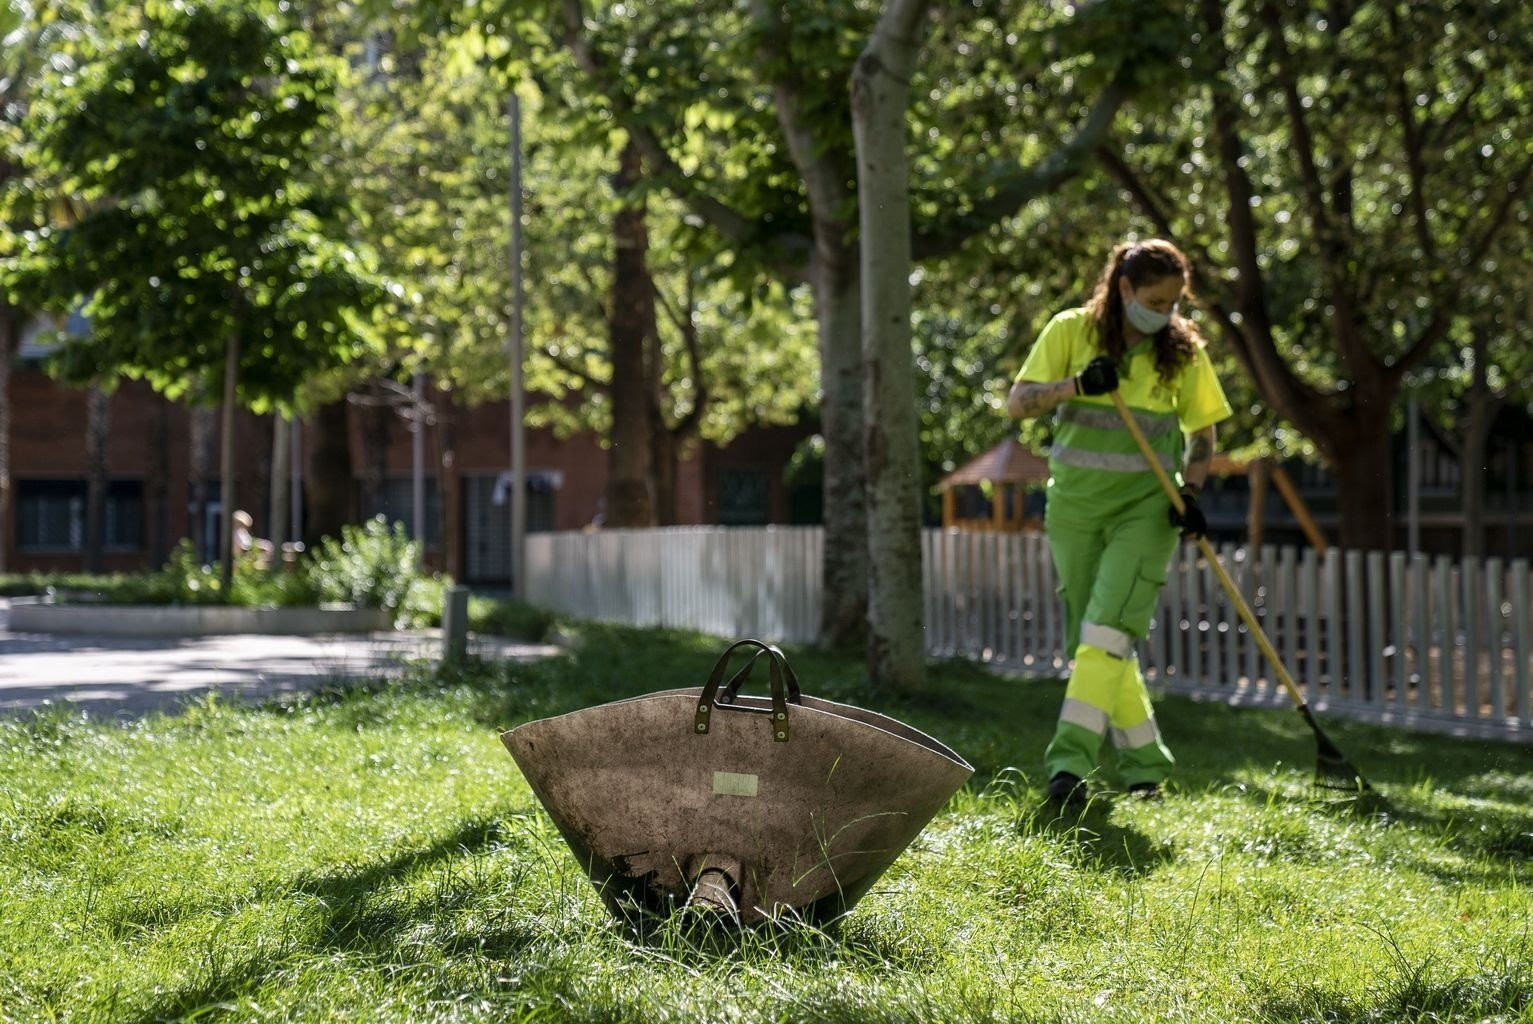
(1332, 768)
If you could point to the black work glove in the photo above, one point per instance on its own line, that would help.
(1098, 378)
(1191, 520)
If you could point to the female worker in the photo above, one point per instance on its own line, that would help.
(1111, 527)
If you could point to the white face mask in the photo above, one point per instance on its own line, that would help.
(1144, 319)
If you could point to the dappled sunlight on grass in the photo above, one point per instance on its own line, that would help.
(371, 853)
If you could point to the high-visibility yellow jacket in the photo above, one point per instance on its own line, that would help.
(1094, 459)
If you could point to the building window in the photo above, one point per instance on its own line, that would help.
(487, 520)
(745, 497)
(124, 515)
(50, 515)
(397, 505)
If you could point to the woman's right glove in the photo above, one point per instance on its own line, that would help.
(1098, 378)
(1191, 520)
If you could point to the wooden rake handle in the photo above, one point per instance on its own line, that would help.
(1246, 614)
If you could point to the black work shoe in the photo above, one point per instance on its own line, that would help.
(1146, 791)
(1067, 789)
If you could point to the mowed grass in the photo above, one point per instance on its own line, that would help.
(374, 855)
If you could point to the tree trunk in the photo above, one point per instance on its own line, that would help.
(662, 460)
(630, 325)
(330, 473)
(10, 336)
(1481, 406)
(98, 433)
(449, 487)
(201, 443)
(1472, 473)
(1256, 510)
(844, 606)
(157, 471)
(896, 651)
(1364, 466)
(281, 472)
(376, 418)
(226, 463)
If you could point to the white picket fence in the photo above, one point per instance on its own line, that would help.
(1430, 643)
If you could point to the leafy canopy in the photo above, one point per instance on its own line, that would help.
(183, 129)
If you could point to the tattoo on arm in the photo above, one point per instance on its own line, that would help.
(1030, 398)
(1200, 453)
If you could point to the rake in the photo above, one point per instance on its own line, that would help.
(1332, 769)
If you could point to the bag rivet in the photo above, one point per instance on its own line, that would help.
(782, 735)
(703, 708)
(702, 727)
(781, 715)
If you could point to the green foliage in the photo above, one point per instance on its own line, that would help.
(515, 619)
(375, 565)
(181, 134)
(107, 588)
(372, 854)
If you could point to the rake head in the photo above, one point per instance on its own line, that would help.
(1332, 769)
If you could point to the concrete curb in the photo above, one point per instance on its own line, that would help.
(32, 615)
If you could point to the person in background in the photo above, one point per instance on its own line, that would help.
(1111, 528)
(246, 541)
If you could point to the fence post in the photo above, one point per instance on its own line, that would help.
(455, 624)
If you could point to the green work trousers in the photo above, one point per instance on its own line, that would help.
(1111, 568)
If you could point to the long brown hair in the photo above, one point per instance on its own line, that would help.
(1144, 263)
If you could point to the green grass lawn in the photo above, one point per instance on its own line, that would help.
(375, 856)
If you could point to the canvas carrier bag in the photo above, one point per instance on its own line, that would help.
(759, 807)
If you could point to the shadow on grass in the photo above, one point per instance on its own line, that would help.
(1097, 843)
(355, 919)
(996, 722)
(1411, 992)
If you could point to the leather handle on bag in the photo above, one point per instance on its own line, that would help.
(781, 693)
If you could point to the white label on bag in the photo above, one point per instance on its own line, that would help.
(733, 784)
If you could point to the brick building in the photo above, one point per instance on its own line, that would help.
(162, 466)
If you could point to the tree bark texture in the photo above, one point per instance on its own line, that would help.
(1481, 405)
(1365, 479)
(838, 312)
(201, 465)
(226, 461)
(662, 457)
(10, 337)
(630, 325)
(281, 473)
(449, 485)
(896, 651)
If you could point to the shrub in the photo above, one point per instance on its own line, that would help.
(515, 619)
(376, 566)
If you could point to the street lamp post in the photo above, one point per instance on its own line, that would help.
(518, 400)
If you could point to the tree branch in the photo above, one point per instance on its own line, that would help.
(570, 367)
(688, 424)
(1414, 158)
(1155, 206)
(669, 308)
(1437, 326)
(1330, 244)
(1295, 400)
(593, 289)
(825, 175)
(1434, 135)
(727, 221)
(1031, 182)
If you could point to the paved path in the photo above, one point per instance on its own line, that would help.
(128, 676)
